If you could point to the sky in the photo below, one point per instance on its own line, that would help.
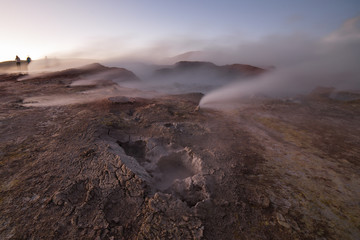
(100, 29)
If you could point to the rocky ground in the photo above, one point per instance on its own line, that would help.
(122, 165)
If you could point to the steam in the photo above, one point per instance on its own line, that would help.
(51, 64)
(329, 62)
(103, 78)
(302, 63)
(197, 80)
(113, 93)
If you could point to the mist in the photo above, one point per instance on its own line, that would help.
(301, 66)
(296, 64)
(300, 62)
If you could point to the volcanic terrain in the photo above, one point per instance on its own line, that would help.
(82, 157)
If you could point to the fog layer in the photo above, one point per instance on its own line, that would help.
(296, 64)
(301, 65)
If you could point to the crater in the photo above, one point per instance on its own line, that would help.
(175, 166)
(173, 169)
(135, 149)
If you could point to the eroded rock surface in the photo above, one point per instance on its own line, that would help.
(136, 168)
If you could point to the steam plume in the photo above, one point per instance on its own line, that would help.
(329, 62)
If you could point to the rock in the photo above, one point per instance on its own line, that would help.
(59, 198)
(265, 202)
(258, 199)
(281, 220)
(164, 207)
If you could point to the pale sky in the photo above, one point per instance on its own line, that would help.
(101, 28)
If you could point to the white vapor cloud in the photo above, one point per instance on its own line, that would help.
(301, 65)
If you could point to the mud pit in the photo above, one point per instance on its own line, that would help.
(134, 168)
(171, 169)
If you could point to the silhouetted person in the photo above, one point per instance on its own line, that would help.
(18, 62)
(28, 60)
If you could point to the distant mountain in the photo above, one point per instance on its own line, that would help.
(243, 69)
(227, 72)
(188, 56)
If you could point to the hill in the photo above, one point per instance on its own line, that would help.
(188, 56)
(225, 72)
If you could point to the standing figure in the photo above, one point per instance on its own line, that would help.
(28, 60)
(18, 62)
